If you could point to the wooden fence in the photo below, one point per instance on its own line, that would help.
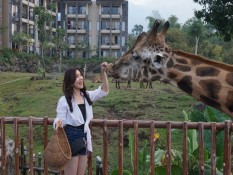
(121, 125)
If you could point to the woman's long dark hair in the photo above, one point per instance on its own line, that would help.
(69, 79)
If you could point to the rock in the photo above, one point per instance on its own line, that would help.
(10, 157)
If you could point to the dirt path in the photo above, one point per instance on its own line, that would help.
(14, 80)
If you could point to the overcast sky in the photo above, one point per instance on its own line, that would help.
(140, 9)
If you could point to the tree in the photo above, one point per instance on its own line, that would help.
(22, 39)
(195, 29)
(43, 19)
(177, 39)
(219, 13)
(137, 29)
(174, 22)
(60, 44)
(151, 19)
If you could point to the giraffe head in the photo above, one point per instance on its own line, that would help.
(153, 51)
(145, 59)
(126, 66)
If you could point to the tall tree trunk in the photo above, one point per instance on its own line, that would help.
(43, 62)
(60, 57)
(197, 43)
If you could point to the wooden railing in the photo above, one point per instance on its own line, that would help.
(227, 127)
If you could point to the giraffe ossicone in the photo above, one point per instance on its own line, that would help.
(152, 59)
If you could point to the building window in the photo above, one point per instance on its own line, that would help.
(105, 10)
(123, 26)
(58, 16)
(89, 39)
(71, 25)
(82, 10)
(81, 25)
(71, 40)
(81, 39)
(71, 53)
(41, 2)
(123, 41)
(105, 25)
(116, 40)
(115, 10)
(71, 10)
(105, 40)
(117, 54)
(104, 53)
(116, 25)
(89, 25)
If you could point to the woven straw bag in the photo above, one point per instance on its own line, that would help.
(58, 152)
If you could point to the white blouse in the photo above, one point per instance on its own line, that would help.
(76, 118)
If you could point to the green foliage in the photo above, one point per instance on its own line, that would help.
(219, 14)
(27, 56)
(174, 22)
(142, 155)
(208, 115)
(22, 39)
(161, 170)
(177, 39)
(142, 159)
(137, 29)
(6, 55)
(131, 145)
(43, 18)
(116, 172)
(151, 19)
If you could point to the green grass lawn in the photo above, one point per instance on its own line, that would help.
(20, 96)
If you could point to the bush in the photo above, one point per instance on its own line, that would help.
(6, 55)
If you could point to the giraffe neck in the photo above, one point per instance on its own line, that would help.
(208, 81)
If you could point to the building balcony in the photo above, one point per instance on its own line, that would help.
(80, 16)
(116, 31)
(106, 31)
(116, 46)
(110, 16)
(72, 46)
(108, 46)
(76, 31)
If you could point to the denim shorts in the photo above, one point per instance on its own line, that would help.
(73, 134)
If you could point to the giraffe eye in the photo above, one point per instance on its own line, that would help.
(136, 56)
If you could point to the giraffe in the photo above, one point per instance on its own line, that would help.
(132, 73)
(206, 80)
(118, 81)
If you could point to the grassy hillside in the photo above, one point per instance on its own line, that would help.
(20, 96)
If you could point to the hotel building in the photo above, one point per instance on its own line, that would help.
(92, 28)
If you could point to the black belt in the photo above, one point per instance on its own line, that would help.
(76, 127)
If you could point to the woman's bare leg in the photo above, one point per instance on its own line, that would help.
(82, 165)
(71, 166)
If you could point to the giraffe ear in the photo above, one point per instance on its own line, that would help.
(165, 28)
(154, 29)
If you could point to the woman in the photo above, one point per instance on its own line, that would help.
(74, 113)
